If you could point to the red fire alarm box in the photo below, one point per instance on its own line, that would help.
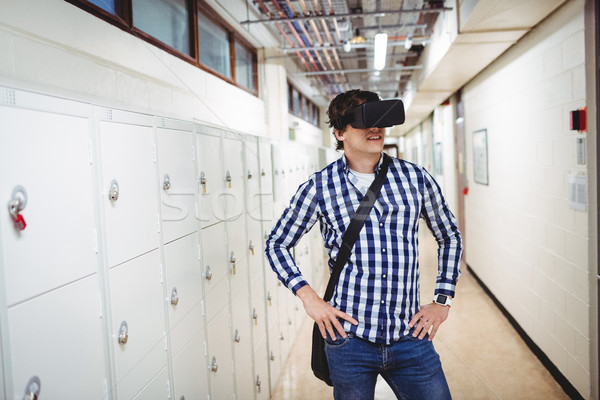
(578, 120)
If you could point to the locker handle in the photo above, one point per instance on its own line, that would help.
(232, 260)
(113, 193)
(208, 274)
(214, 367)
(228, 178)
(16, 204)
(263, 173)
(166, 182)
(258, 383)
(32, 389)
(123, 333)
(237, 337)
(249, 174)
(281, 337)
(272, 356)
(174, 297)
(255, 316)
(269, 298)
(251, 247)
(203, 181)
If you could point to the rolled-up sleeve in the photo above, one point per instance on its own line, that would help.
(442, 223)
(297, 219)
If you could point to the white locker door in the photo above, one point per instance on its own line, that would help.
(184, 290)
(253, 177)
(178, 183)
(261, 371)
(220, 356)
(210, 179)
(216, 269)
(239, 252)
(241, 321)
(233, 195)
(190, 372)
(137, 300)
(128, 166)
(48, 155)
(266, 181)
(58, 338)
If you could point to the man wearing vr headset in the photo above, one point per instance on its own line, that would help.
(374, 324)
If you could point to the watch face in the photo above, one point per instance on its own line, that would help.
(442, 298)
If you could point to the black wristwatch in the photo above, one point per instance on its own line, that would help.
(442, 299)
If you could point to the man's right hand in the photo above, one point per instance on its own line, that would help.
(323, 313)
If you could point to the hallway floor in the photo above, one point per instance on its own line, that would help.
(483, 356)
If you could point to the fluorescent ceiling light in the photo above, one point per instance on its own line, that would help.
(380, 50)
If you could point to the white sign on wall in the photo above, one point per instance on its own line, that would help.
(577, 191)
(480, 157)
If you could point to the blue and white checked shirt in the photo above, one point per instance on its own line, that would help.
(379, 285)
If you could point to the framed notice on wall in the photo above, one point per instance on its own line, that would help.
(480, 157)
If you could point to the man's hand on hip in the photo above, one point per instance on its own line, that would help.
(323, 313)
(430, 317)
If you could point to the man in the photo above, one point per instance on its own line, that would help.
(374, 324)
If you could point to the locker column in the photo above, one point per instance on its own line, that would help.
(182, 258)
(216, 261)
(49, 271)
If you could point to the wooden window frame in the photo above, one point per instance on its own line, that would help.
(313, 116)
(124, 21)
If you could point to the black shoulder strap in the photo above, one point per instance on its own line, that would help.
(356, 224)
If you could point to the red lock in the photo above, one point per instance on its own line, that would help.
(19, 222)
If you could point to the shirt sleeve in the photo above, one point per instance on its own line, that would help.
(442, 223)
(296, 220)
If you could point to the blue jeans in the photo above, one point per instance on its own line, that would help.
(410, 366)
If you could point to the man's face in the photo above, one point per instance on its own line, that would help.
(361, 142)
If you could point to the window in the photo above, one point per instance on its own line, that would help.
(214, 46)
(166, 20)
(301, 106)
(188, 29)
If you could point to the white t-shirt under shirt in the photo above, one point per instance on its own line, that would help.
(364, 179)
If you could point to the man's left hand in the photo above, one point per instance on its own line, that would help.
(430, 317)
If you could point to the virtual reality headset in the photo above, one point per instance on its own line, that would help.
(380, 114)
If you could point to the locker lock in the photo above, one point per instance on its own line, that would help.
(232, 260)
(258, 383)
(237, 337)
(214, 367)
(113, 193)
(166, 182)
(272, 357)
(249, 174)
(123, 333)
(174, 297)
(16, 204)
(251, 247)
(255, 316)
(208, 274)
(270, 298)
(203, 181)
(262, 172)
(228, 178)
(281, 337)
(32, 390)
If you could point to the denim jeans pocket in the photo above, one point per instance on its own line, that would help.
(339, 340)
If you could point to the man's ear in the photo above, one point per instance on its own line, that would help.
(338, 134)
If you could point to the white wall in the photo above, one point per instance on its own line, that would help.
(523, 240)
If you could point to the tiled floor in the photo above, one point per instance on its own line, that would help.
(482, 355)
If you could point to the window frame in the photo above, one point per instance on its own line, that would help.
(123, 19)
(312, 114)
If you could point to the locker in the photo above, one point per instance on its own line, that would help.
(216, 268)
(176, 172)
(130, 190)
(189, 370)
(157, 389)
(233, 196)
(266, 181)
(184, 290)
(242, 344)
(261, 370)
(210, 179)
(220, 356)
(58, 337)
(137, 301)
(56, 177)
(239, 252)
(253, 176)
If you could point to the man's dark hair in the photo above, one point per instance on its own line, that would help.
(343, 103)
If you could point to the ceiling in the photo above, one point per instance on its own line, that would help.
(331, 42)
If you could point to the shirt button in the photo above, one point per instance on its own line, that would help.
(381, 224)
(383, 250)
(382, 301)
(384, 275)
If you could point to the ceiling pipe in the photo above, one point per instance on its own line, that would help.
(357, 70)
(340, 16)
